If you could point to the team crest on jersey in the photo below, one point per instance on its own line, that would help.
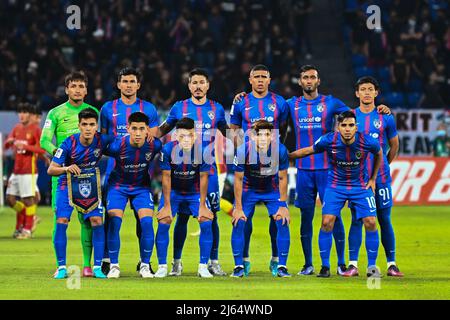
(271, 107)
(358, 154)
(211, 115)
(85, 188)
(377, 124)
(97, 152)
(148, 156)
(320, 107)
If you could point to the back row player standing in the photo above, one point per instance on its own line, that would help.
(113, 121)
(208, 116)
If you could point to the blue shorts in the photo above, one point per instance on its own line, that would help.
(363, 201)
(189, 202)
(140, 198)
(63, 208)
(309, 183)
(270, 199)
(383, 196)
(213, 196)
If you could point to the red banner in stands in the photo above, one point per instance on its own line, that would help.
(421, 181)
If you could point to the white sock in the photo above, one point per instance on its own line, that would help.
(392, 263)
(239, 266)
(176, 260)
(247, 259)
(354, 263)
(106, 260)
(202, 265)
(214, 261)
(281, 266)
(275, 259)
(62, 267)
(162, 266)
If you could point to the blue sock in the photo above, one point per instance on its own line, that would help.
(248, 229)
(206, 241)
(162, 242)
(273, 230)
(237, 242)
(283, 241)
(179, 235)
(325, 243)
(339, 240)
(372, 243)
(105, 228)
(98, 242)
(387, 233)
(306, 233)
(114, 238)
(216, 235)
(147, 240)
(354, 237)
(60, 243)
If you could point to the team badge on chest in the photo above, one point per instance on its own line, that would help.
(271, 107)
(97, 153)
(211, 115)
(377, 124)
(358, 155)
(148, 156)
(320, 107)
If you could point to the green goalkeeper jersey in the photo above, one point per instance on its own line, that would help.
(62, 122)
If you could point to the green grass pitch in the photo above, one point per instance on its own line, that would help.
(423, 254)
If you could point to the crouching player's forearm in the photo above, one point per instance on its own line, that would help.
(301, 153)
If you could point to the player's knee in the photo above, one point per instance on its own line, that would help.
(62, 220)
(370, 223)
(29, 201)
(165, 220)
(328, 223)
(96, 221)
(203, 219)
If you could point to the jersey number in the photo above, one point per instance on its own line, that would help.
(385, 194)
(371, 202)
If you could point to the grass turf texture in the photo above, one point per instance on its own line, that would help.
(423, 244)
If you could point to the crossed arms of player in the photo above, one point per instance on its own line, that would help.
(238, 212)
(304, 152)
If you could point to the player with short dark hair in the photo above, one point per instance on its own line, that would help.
(113, 121)
(130, 180)
(348, 180)
(381, 127)
(62, 122)
(79, 155)
(261, 175)
(209, 117)
(260, 104)
(21, 191)
(185, 177)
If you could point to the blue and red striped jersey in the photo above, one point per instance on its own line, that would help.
(312, 119)
(185, 168)
(272, 108)
(131, 169)
(382, 128)
(348, 162)
(261, 168)
(208, 117)
(71, 151)
(114, 115)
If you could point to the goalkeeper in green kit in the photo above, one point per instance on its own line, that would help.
(62, 122)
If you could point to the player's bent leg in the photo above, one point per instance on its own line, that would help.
(388, 241)
(283, 243)
(60, 245)
(306, 233)
(354, 244)
(205, 244)
(86, 240)
(325, 243)
(147, 241)
(237, 246)
(248, 230)
(162, 244)
(273, 231)
(339, 240)
(372, 244)
(115, 223)
(98, 242)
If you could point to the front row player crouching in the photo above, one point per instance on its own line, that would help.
(348, 151)
(184, 182)
(79, 154)
(261, 175)
(130, 180)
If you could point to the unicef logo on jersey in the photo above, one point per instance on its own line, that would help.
(97, 153)
(207, 126)
(374, 135)
(377, 124)
(318, 119)
(211, 115)
(270, 119)
(320, 107)
(271, 107)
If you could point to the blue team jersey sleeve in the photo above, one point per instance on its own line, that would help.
(205, 167)
(112, 149)
(374, 145)
(284, 158)
(391, 128)
(157, 145)
(152, 114)
(338, 106)
(284, 111)
(104, 117)
(172, 118)
(322, 143)
(164, 159)
(62, 152)
(236, 114)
